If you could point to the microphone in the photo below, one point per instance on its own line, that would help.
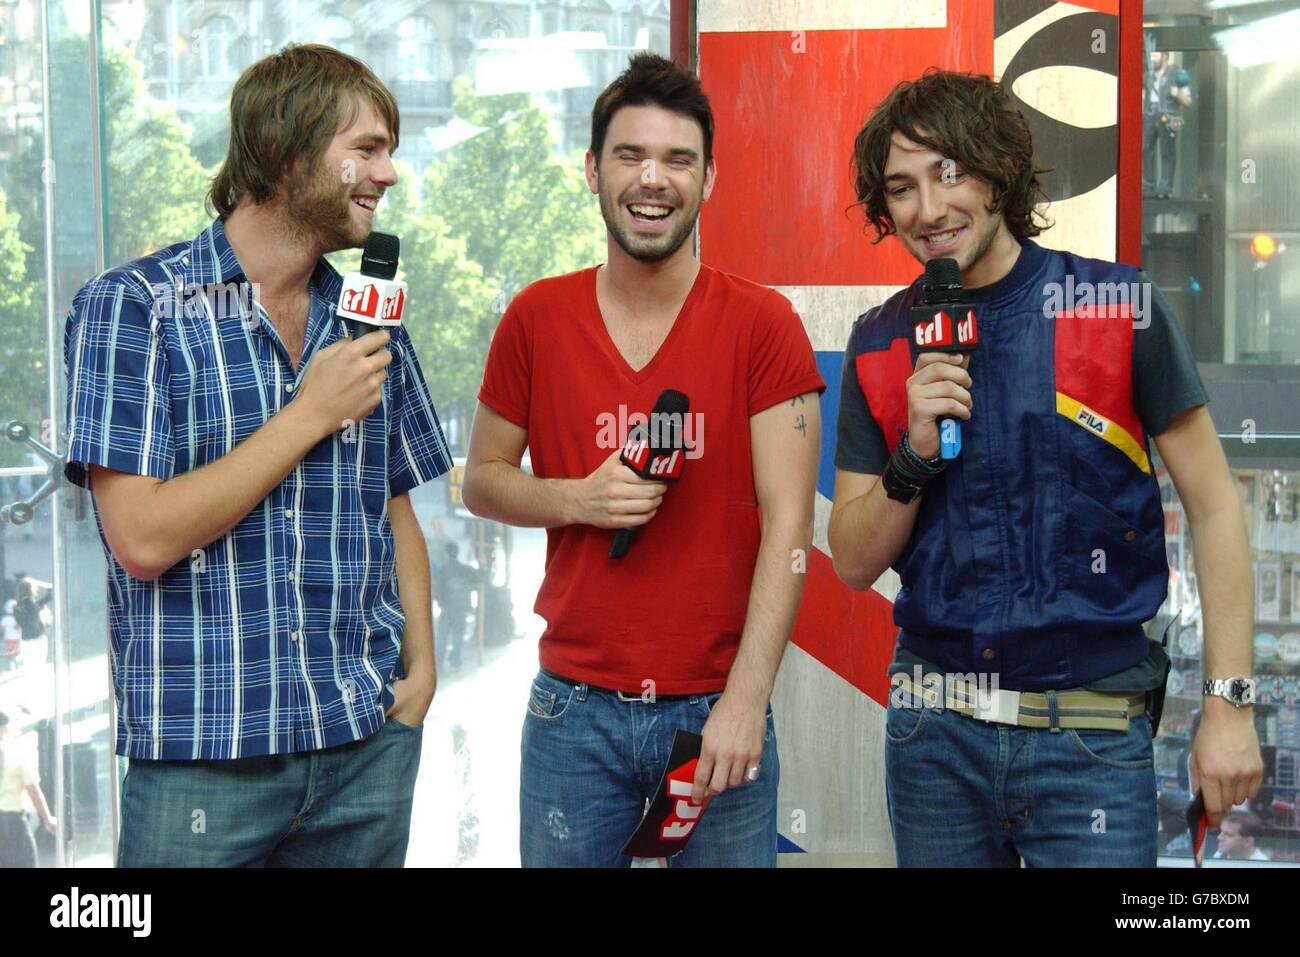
(655, 451)
(943, 323)
(371, 299)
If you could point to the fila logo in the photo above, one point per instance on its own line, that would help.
(666, 464)
(685, 815)
(967, 333)
(935, 331)
(1091, 420)
(361, 300)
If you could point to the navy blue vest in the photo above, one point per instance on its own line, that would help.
(1039, 554)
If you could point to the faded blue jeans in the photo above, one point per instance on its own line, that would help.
(346, 806)
(968, 793)
(591, 760)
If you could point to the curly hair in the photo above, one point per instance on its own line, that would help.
(962, 116)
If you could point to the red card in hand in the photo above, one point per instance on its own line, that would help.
(670, 820)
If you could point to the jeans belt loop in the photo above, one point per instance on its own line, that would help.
(1053, 713)
(581, 691)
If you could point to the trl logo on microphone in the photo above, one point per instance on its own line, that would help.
(941, 331)
(379, 302)
(663, 463)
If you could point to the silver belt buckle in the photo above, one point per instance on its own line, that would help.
(1000, 707)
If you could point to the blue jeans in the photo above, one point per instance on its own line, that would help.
(347, 806)
(591, 761)
(967, 793)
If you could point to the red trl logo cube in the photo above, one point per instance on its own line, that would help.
(936, 332)
(363, 301)
(968, 333)
(393, 306)
(635, 454)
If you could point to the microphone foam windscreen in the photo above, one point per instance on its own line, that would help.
(942, 272)
(672, 402)
(379, 257)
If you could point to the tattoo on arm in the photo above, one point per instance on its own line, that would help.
(801, 426)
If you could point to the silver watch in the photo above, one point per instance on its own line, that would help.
(1239, 691)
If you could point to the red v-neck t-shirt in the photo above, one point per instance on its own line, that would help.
(672, 610)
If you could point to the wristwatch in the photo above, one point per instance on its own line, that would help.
(1239, 691)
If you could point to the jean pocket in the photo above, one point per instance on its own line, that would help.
(549, 698)
(402, 725)
(903, 725)
(1129, 751)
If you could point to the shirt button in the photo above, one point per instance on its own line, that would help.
(288, 387)
(988, 654)
(296, 636)
(1130, 535)
(293, 576)
(288, 513)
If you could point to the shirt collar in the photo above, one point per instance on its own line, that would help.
(212, 259)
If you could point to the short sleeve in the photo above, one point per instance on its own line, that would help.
(119, 402)
(417, 447)
(507, 375)
(1166, 381)
(859, 444)
(781, 360)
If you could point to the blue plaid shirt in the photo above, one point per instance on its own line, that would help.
(283, 634)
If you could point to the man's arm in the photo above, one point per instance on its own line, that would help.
(151, 524)
(612, 496)
(37, 797)
(785, 441)
(867, 529)
(414, 693)
(1225, 762)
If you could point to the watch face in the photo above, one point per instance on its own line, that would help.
(1241, 691)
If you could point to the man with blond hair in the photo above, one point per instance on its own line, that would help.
(270, 616)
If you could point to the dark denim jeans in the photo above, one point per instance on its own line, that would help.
(967, 793)
(347, 806)
(592, 759)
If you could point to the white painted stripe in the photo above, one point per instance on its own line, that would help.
(832, 794)
(828, 312)
(721, 16)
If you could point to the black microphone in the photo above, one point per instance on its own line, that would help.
(943, 323)
(371, 299)
(655, 451)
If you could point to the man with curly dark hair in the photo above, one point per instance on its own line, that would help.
(1024, 691)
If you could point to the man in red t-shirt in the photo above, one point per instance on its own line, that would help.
(687, 630)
